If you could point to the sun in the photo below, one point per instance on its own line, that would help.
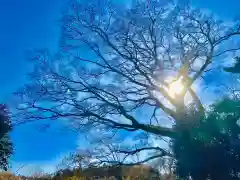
(175, 88)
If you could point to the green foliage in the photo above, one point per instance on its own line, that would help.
(212, 149)
(6, 147)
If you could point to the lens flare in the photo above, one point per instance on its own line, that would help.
(175, 88)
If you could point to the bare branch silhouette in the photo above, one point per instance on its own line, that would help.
(114, 64)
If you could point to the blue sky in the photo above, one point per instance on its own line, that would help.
(28, 24)
(25, 25)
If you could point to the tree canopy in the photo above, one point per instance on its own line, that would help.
(212, 150)
(117, 63)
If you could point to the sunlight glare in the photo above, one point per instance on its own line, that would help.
(175, 88)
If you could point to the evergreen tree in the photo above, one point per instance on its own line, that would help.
(211, 149)
(6, 147)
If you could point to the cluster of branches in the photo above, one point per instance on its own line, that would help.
(235, 68)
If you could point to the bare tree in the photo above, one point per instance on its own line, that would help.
(115, 63)
(76, 160)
